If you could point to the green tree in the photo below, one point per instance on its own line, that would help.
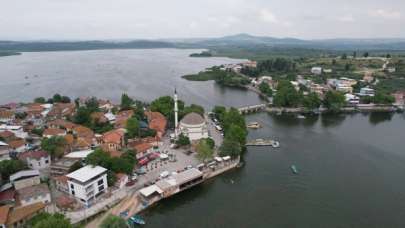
(220, 112)
(382, 98)
(82, 116)
(204, 150)
(65, 99)
(46, 220)
(365, 54)
(8, 167)
(286, 95)
(230, 147)
(57, 98)
(99, 157)
(265, 89)
(237, 133)
(55, 146)
(233, 117)
(334, 101)
(132, 127)
(193, 108)
(210, 142)
(126, 102)
(113, 221)
(92, 105)
(183, 140)
(312, 101)
(40, 100)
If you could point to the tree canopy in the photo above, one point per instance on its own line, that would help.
(183, 140)
(113, 221)
(286, 95)
(46, 220)
(334, 101)
(8, 167)
(55, 146)
(132, 127)
(311, 101)
(126, 102)
(204, 150)
(230, 147)
(265, 89)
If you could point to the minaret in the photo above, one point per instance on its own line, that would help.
(176, 115)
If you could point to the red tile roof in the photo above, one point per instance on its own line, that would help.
(157, 122)
(33, 154)
(7, 195)
(53, 132)
(62, 179)
(21, 213)
(6, 134)
(16, 143)
(4, 211)
(114, 136)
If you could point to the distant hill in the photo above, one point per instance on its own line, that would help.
(241, 41)
(246, 40)
(26, 46)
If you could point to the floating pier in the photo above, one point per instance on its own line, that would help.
(263, 142)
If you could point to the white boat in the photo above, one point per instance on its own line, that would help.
(275, 144)
(301, 117)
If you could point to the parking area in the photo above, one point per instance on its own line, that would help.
(180, 159)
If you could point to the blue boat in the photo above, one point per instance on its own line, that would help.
(137, 220)
(294, 169)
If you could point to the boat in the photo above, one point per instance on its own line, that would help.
(254, 125)
(240, 165)
(136, 219)
(301, 117)
(294, 169)
(275, 144)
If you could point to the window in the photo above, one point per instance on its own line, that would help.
(100, 182)
(73, 192)
(46, 161)
(100, 188)
(72, 186)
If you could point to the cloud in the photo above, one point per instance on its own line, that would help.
(385, 14)
(267, 16)
(346, 18)
(193, 25)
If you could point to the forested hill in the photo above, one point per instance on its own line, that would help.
(24, 46)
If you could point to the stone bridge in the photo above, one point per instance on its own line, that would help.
(252, 108)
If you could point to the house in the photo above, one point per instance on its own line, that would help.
(25, 178)
(4, 211)
(62, 111)
(61, 183)
(62, 166)
(4, 151)
(17, 130)
(368, 77)
(122, 117)
(83, 143)
(7, 197)
(366, 92)
(344, 88)
(114, 139)
(36, 159)
(34, 194)
(399, 98)
(17, 217)
(62, 124)
(110, 117)
(352, 99)
(7, 136)
(81, 131)
(98, 117)
(169, 186)
(105, 105)
(6, 116)
(316, 70)
(51, 132)
(122, 179)
(18, 145)
(251, 64)
(87, 183)
(157, 121)
(142, 148)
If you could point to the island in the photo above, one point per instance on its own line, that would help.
(202, 54)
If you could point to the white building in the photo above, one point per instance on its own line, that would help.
(88, 183)
(367, 92)
(316, 70)
(25, 178)
(17, 130)
(352, 99)
(4, 151)
(36, 159)
(194, 126)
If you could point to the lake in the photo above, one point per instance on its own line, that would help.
(351, 167)
(143, 74)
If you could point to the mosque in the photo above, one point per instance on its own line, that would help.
(193, 125)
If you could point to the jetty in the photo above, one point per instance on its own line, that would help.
(252, 108)
(263, 142)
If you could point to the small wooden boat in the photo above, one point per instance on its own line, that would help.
(294, 169)
(136, 219)
(254, 125)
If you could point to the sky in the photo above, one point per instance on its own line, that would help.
(154, 19)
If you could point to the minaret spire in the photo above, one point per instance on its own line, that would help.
(176, 115)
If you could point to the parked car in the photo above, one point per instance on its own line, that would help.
(164, 174)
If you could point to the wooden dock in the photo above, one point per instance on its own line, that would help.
(263, 142)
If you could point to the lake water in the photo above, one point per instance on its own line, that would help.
(143, 74)
(351, 167)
